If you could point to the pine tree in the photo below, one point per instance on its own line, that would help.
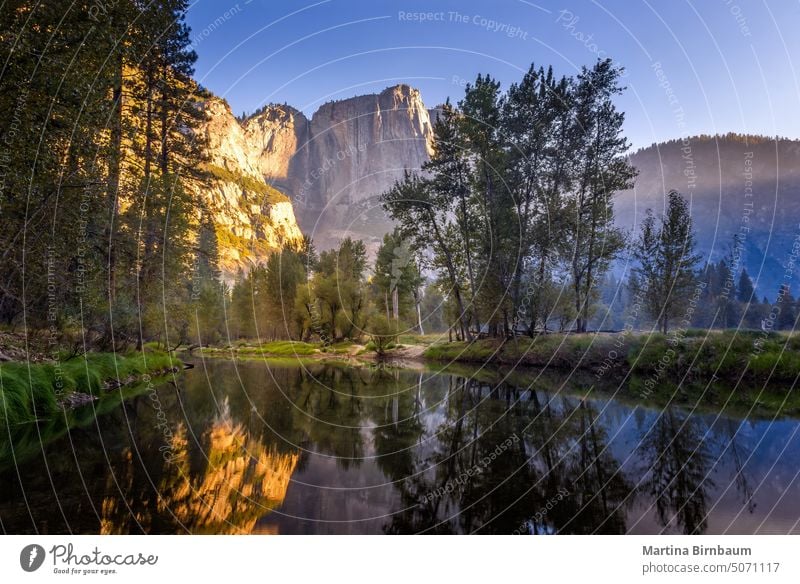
(745, 290)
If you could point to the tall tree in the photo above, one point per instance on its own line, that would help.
(665, 276)
(424, 217)
(744, 289)
(602, 169)
(498, 229)
(536, 123)
(450, 173)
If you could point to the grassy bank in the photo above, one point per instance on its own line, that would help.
(753, 356)
(35, 391)
(244, 349)
(748, 372)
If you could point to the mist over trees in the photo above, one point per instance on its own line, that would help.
(514, 211)
(665, 272)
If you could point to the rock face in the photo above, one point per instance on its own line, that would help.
(332, 167)
(335, 165)
(745, 185)
(251, 218)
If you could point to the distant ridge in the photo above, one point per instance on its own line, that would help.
(737, 183)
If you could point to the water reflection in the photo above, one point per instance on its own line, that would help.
(677, 460)
(325, 449)
(242, 480)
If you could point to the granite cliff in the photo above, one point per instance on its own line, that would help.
(251, 217)
(329, 169)
(336, 164)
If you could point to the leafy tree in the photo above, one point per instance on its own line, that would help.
(423, 214)
(284, 275)
(665, 254)
(383, 333)
(397, 279)
(339, 289)
(497, 235)
(602, 168)
(536, 122)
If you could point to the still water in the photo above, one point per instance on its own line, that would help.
(251, 447)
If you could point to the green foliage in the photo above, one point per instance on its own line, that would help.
(382, 333)
(270, 195)
(116, 228)
(755, 357)
(270, 301)
(281, 349)
(518, 194)
(340, 303)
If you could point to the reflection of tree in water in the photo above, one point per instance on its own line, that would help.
(739, 455)
(677, 462)
(399, 426)
(329, 412)
(598, 492)
(241, 481)
(499, 498)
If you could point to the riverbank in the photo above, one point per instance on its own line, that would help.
(739, 369)
(742, 369)
(36, 391)
(751, 356)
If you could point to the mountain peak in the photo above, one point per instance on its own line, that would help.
(401, 88)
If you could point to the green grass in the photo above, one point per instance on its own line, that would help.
(30, 392)
(546, 350)
(279, 349)
(421, 340)
(707, 371)
(754, 356)
(340, 348)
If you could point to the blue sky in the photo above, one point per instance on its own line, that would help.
(691, 67)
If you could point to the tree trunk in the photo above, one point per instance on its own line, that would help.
(468, 257)
(114, 162)
(419, 313)
(453, 278)
(164, 158)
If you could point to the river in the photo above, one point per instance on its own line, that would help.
(280, 448)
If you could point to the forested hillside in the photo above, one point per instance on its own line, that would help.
(737, 185)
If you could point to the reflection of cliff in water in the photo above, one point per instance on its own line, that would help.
(240, 482)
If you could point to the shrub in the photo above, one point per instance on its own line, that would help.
(383, 334)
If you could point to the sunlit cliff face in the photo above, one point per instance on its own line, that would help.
(333, 165)
(250, 222)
